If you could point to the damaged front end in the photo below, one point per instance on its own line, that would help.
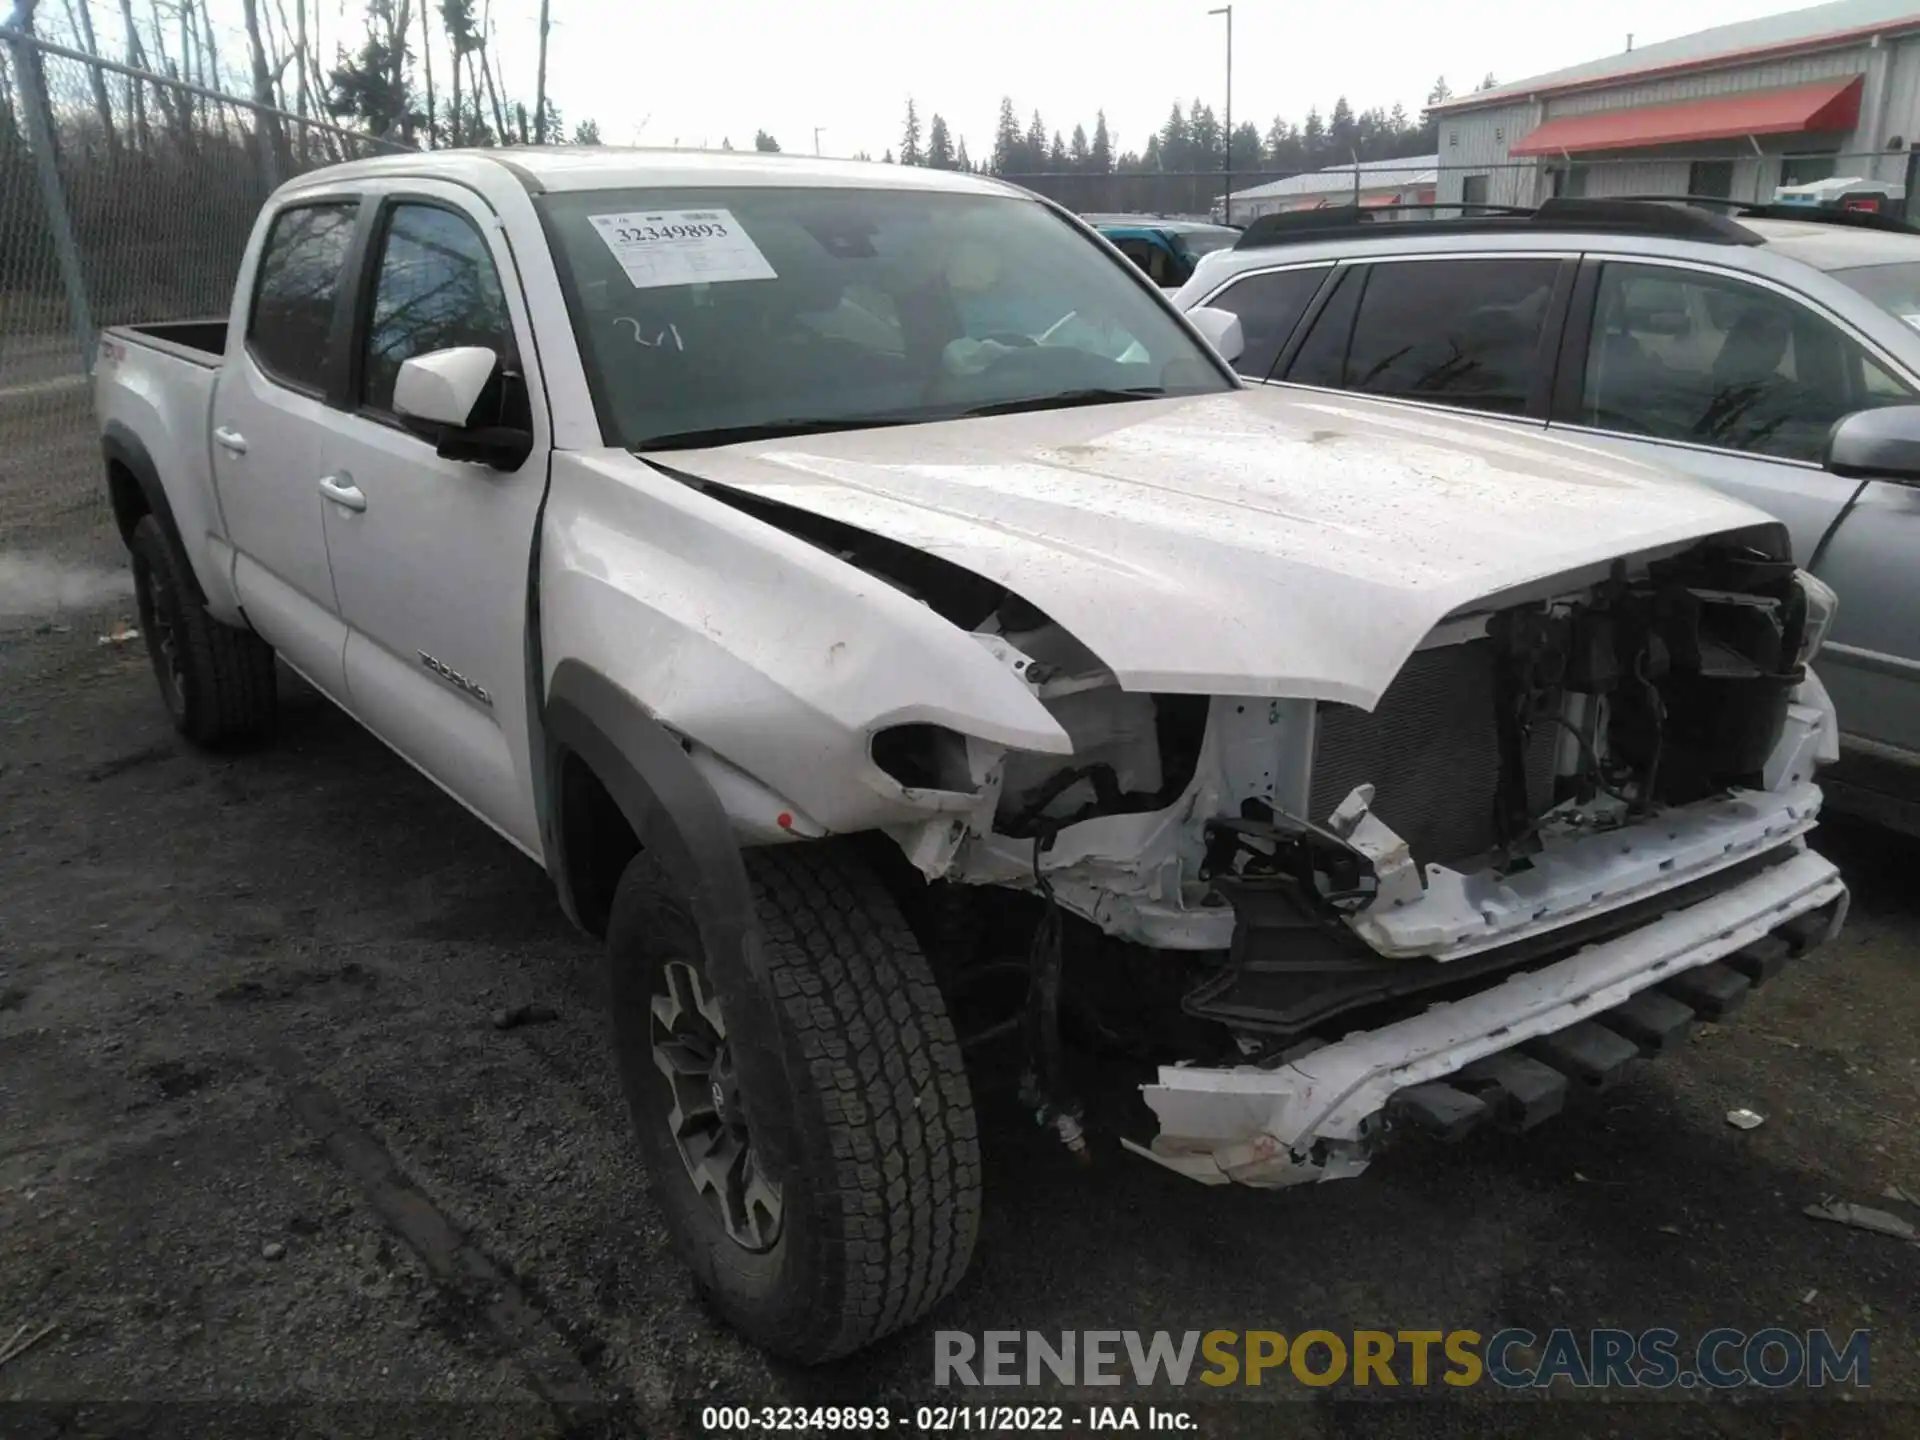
(1574, 823)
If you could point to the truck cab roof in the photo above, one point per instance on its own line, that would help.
(572, 167)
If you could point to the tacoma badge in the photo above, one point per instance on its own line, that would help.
(454, 677)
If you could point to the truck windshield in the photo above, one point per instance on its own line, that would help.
(1894, 288)
(707, 316)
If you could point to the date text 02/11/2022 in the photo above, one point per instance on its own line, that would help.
(941, 1419)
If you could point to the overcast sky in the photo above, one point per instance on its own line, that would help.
(698, 72)
(695, 73)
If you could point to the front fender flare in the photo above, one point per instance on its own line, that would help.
(677, 819)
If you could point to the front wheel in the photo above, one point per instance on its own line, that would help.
(824, 1212)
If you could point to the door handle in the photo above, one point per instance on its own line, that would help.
(342, 491)
(229, 439)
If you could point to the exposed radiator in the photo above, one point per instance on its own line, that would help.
(1431, 753)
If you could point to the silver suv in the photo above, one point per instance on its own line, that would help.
(1724, 342)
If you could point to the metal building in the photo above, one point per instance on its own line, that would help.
(1374, 184)
(1734, 111)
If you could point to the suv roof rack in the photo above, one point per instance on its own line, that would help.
(1775, 210)
(1668, 216)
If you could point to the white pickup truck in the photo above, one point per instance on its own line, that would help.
(857, 584)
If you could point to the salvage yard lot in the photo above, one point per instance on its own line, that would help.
(263, 1140)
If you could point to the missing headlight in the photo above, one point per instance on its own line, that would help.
(925, 757)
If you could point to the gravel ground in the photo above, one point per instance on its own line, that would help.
(262, 1145)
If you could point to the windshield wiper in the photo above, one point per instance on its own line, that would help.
(1064, 400)
(765, 430)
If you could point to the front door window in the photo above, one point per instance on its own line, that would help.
(1711, 360)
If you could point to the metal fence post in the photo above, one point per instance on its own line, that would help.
(59, 223)
(263, 135)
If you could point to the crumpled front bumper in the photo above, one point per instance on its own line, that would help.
(1319, 1116)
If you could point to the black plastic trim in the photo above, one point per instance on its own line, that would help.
(1547, 362)
(681, 824)
(121, 446)
(1576, 338)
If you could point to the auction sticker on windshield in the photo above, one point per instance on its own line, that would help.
(681, 247)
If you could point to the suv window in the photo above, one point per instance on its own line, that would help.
(1460, 332)
(437, 289)
(1682, 355)
(1269, 306)
(292, 320)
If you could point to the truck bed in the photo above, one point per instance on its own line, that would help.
(204, 342)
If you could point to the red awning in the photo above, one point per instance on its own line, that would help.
(1829, 106)
(1378, 202)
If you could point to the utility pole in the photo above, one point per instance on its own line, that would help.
(540, 87)
(1226, 201)
(817, 131)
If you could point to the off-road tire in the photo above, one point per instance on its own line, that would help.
(217, 682)
(881, 1190)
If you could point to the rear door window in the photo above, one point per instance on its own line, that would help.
(1710, 360)
(1461, 332)
(1269, 306)
(290, 329)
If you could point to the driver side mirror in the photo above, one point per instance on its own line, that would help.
(1882, 444)
(440, 396)
(1221, 329)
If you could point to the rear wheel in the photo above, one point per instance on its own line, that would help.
(217, 682)
(841, 1203)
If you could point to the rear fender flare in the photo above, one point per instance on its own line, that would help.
(124, 448)
(677, 819)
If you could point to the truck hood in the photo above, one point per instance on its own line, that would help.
(1261, 542)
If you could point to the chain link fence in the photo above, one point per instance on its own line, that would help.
(1732, 174)
(124, 196)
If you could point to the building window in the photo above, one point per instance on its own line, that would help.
(1711, 177)
(1473, 189)
(1567, 180)
(1805, 169)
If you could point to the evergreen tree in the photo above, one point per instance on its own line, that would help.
(887, 159)
(587, 132)
(940, 145)
(1341, 130)
(765, 143)
(1006, 141)
(1313, 140)
(961, 160)
(1175, 150)
(1488, 83)
(910, 139)
(1282, 150)
(1057, 155)
(1203, 133)
(1034, 151)
(1077, 158)
(1100, 157)
(1246, 147)
(1440, 94)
